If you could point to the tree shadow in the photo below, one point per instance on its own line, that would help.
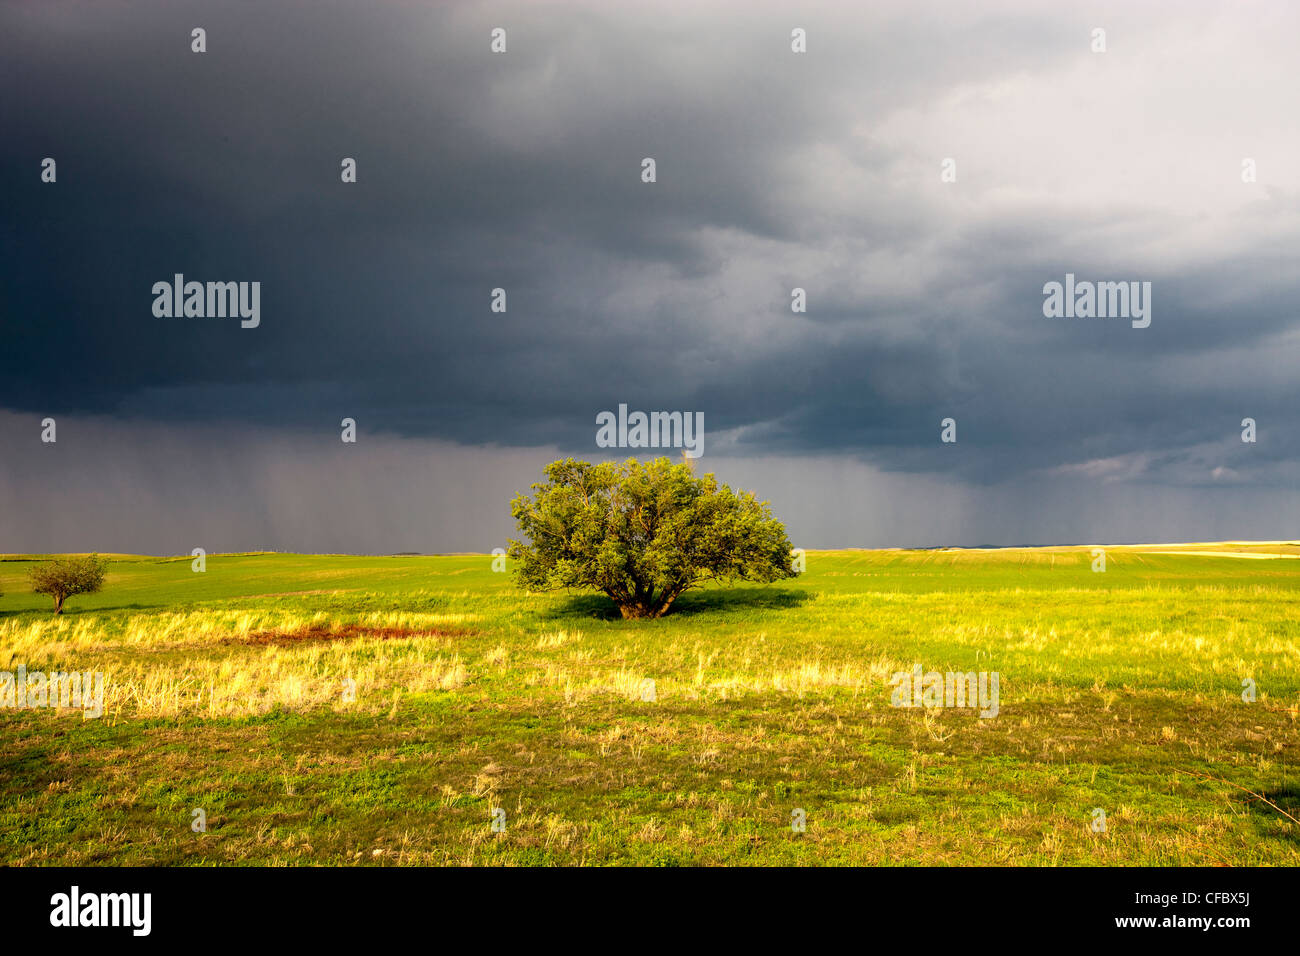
(77, 611)
(710, 601)
(739, 599)
(116, 607)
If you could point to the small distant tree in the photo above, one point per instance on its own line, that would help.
(64, 577)
(643, 533)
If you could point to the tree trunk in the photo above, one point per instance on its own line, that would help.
(647, 606)
(58, 604)
(663, 609)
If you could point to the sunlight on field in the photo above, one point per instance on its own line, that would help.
(382, 721)
(294, 661)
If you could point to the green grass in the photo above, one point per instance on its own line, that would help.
(1119, 690)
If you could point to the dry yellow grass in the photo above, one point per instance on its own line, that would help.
(177, 668)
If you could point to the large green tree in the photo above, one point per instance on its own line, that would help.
(643, 533)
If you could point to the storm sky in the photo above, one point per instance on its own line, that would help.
(523, 171)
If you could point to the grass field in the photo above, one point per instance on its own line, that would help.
(225, 691)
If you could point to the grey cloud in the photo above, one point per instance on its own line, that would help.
(521, 171)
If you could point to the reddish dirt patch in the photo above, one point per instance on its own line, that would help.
(340, 632)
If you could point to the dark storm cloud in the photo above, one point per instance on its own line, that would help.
(775, 171)
(130, 487)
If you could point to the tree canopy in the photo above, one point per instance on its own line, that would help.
(64, 577)
(643, 533)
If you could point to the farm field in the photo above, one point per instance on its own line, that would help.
(226, 691)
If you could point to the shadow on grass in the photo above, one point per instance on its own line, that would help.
(1285, 798)
(77, 611)
(28, 770)
(714, 600)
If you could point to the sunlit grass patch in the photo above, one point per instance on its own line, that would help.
(326, 709)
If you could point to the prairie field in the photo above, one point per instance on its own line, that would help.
(340, 710)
